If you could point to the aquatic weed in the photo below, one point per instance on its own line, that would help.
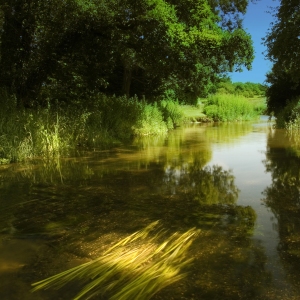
(130, 271)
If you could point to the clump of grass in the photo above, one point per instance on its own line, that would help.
(172, 112)
(222, 107)
(127, 271)
(151, 121)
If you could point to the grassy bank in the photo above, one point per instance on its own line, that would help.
(224, 108)
(61, 129)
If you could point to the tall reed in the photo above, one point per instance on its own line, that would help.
(150, 122)
(223, 107)
(60, 129)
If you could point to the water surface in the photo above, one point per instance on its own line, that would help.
(238, 183)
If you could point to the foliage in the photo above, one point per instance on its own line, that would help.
(289, 117)
(283, 46)
(221, 107)
(117, 114)
(126, 271)
(260, 106)
(282, 40)
(281, 91)
(118, 47)
(192, 113)
(248, 89)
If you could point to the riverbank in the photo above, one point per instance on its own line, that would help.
(103, 122)
(225, 108)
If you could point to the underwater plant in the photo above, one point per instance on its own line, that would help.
(136, 267)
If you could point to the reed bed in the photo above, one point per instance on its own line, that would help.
(136, 267)
(224, 108)
(61, 128)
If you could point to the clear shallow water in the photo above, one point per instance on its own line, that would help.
(238, 183)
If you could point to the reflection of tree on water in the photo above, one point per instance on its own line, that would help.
(208, 185)
(283, 197)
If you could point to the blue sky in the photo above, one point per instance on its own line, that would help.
(257, 22)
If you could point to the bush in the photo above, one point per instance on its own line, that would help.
(260, 108)
(118, 114)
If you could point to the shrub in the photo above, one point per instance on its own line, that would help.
(212, 111)
(260, 108)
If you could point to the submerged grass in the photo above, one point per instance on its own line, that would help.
(129, 270)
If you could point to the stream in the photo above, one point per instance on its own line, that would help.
(238, 183)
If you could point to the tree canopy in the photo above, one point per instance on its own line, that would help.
(246, 89)
(283, 49)
(60, 49)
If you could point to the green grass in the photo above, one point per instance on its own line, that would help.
(129, 270)
(260, 104)
(61, 129)
(231, 108)
(193, 113)
(224, 108)
(150, 121)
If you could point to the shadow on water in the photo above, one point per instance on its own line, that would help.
(69, 211)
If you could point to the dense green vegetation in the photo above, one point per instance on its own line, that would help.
(283, 44)
(222, 107)
(62, 129)
(141, 47)
(248, 89)
(92, 73)
(55, 130)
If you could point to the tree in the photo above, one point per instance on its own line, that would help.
(283, 39)
(283, 49)
(70, 48)
(281, 91)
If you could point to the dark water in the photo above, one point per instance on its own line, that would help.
(238, 183)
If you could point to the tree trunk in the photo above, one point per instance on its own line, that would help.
(127, 77)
